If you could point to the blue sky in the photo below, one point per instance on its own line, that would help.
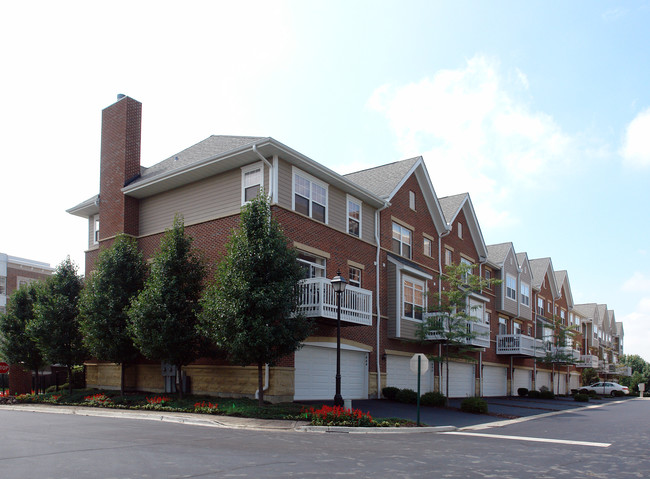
(540, 110)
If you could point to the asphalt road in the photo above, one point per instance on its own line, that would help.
(612, 441)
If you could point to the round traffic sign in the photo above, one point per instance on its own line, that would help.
(4, 368)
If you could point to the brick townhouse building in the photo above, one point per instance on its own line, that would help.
(16, 272)
(384, 228)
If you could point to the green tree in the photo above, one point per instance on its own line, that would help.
(16, 345)
(163, 316)
(250, 309)
(104, 301)
(55, 325)
(452, 314)
(589, 376)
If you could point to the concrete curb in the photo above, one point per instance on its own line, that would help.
(377, 430)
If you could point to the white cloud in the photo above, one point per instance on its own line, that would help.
(637, 283)
(475, 135)
(637, 329)
(636, 144)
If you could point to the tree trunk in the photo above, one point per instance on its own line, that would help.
(447, 373)
(260, 385)
(179, 385)
(122, 379)
(70, 380)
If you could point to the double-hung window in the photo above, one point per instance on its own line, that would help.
(468, 272)
(313, 266)
(251, 181)
(96, 229)
(354, 217)
(428, 247)
(525, 294)
(511, 287)
(310, 196)
(503, 326)
(354, 276)
(402, 240)
(540, 306)
(412, 298)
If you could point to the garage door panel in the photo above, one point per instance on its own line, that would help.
(461, 382)
(495, 381)
(543, 379)
(399, 374)
(562, 378)
(522, 378)
(315, 373)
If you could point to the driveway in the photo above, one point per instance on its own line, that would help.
(499, 409)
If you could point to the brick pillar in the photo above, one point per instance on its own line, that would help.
(120, 164)
(20, 380)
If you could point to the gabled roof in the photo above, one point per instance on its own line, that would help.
(588, 310)
(562, 279)
(522, 260)
(540, 268)
(212, 146)
(86, 208)
(497, 253)
(619, 329)
(451, 206)
(603, 318)
(385, 181)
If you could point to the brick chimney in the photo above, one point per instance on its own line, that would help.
(120, 164)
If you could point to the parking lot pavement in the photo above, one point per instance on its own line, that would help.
(499, 409)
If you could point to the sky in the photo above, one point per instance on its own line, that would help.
(539, 109)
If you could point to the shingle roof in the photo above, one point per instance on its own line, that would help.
(211, 146)
(497, 252)
(382, 180)
(451, 205)
(538, 268)
(521, 257)
(587, 310)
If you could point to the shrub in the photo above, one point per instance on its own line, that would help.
(337, 416)
(543, 388)
(534, 394)
(522, 392)
(474, 405)
(390, 392)
(581, 397)
(407, 396)
(546, 394)
(592, 393)
(433, 399)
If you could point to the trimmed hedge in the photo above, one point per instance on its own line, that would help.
(581, 397)
(390, 392)
(407, 396)
(534, 394)
(433, 399)
(522, 392)
(474, 405)
(546, 394)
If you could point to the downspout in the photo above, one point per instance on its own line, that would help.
(378, 306)
(445, 233)
(266, 381)
(535, 343)
(270, 166)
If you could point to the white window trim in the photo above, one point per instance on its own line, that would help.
(401, 249)
(297, 171)
(350, 278)
(510, 277)
(245, 169)
(412, 200)
(522, 295)
(95, 229)
(424, 243)
(423, 283)
(460, 230)
(347, 215)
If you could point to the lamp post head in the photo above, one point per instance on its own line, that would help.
(339, 282)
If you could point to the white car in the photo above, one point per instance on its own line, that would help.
(606, 388)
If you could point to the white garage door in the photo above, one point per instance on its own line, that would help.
(522, 378)
(495, 381)
(561, 380)
(543, 379)
(315, 373)
(461, 382)
(574, 381)
(399, 374)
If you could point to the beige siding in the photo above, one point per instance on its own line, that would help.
(368, 224)
(285, 186)
(337, 209)
(526, 277)
(391, 273)
(201, 201)
(510, 268)
(409, 329)
(91, 232)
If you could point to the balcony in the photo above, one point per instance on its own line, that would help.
(567, 351)
(479, 331)
(520, 344)
(587, 361)
(619, 369)
(317, 299)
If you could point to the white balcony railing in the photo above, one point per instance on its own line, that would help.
(587, 361)
(521, 345)
(619, 369)
(568, 351)
(480, 332)
(317, 299)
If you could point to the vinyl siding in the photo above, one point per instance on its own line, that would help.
(510, 268)
(391, 272)
(204, 200)
(285, 186)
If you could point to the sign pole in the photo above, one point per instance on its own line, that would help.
(419, 367)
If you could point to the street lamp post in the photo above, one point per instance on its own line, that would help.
(338, 283)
